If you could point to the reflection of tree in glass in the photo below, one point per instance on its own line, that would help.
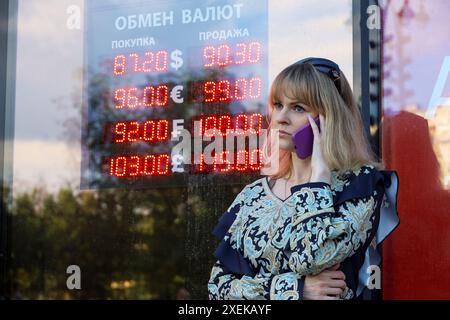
(128, 244)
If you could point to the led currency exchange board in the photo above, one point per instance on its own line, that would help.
(165, 83)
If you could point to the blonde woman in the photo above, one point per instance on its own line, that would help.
(309, 230)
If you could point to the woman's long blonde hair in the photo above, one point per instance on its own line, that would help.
(346, 147)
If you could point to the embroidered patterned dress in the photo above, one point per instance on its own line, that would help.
(269, 245)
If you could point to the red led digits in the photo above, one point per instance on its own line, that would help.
(241, 124)
(225, 161)
(223, 55)
(133, 168)
(210, 126)
(147, 62)
(228, 90)
(133, 131)
(119, 65)
(224, 125)
(224, 90)
(207, 91)
(149, 165)
(119, 165)
(240, 89)
(120, 132)
(161, 61)
(162, 96)
(220, 159)
(254, 91)
(210, 91)
(150, 96)
(255, 123)
(255, 160)
(162, 130)
(249, 161)
(120, 98)
(132, 100)
(149, 131)
(139, 166)
(241, 50)
(202, 166)
(135, 57)
(254, 52)
(242, 160)
(226, 55)
(209, 53)
(111, 167)
(163, 165)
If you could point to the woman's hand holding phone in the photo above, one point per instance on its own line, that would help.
(320, 170)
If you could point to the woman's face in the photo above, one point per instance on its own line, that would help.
(287, 116)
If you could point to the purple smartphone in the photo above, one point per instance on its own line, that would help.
(303, 140)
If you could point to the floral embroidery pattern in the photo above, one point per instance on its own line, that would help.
(287, 240)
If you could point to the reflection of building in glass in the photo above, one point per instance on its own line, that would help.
(400, 61)
(440, 138)
(440, 132)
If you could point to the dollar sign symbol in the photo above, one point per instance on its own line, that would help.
(177, 60)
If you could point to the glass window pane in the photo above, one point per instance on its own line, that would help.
(86, 73)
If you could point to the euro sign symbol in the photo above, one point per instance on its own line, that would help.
(175, 94)
(177, 61)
